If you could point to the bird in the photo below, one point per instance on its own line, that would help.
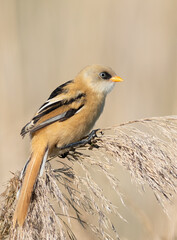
(66, 117)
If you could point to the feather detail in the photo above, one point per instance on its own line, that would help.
(54, 111)
(32, 171)
(61, 89)
(61, 117)
(54, 97)
(56, 105)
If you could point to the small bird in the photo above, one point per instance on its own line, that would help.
(66, 117)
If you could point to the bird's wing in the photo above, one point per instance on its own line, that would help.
(63, 103)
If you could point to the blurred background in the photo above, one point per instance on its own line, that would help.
(45, 43)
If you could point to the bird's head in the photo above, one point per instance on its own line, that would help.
(99, 78)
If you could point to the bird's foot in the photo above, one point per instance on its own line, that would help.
(86, 140)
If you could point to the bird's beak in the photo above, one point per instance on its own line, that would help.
(116, 79)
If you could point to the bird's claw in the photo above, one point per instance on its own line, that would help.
(87, 140)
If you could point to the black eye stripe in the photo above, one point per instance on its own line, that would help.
(105, 75)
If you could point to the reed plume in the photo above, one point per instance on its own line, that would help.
(69, 193)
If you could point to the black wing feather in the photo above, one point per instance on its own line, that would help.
(61, 117)
(56, 105)
(59, 90)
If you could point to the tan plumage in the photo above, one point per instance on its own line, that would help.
(67, 116)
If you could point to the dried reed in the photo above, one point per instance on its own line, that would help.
(147, 148)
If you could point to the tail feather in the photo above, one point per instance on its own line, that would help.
(31, 174)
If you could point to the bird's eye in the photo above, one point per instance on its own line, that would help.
(105, 75)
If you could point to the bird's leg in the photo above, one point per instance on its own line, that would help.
(82, 142)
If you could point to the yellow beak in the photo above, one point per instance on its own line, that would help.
(116, 79)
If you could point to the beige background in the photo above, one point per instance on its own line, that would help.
(45, 43)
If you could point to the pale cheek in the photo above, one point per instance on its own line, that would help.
(110, 86)
(102, 86)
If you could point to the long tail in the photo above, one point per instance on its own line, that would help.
(37, 160)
